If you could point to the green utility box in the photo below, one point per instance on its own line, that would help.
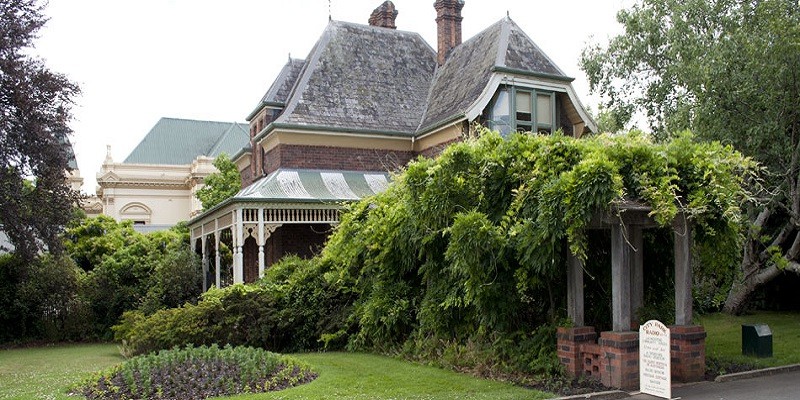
(757, 340)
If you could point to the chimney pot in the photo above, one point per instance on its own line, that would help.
(384, 16)
(448, 26)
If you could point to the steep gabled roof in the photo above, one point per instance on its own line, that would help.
(464, 76)
(176, 141)
(280, 89)
(363, 78)
(522, 54)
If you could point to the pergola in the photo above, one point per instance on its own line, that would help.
(283, 198)
(614, 358)
(626, 222)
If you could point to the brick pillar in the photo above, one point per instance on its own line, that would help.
(688, 352)
(569, 342)
(621, 351)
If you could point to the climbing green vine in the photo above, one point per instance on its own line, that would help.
(462, 244)
(461, 259)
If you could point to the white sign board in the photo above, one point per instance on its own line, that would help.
(654, 364)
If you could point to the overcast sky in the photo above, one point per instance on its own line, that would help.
(139, 60)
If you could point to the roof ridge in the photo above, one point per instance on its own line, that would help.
(424, 115)
(218, 143)
(286, 70)
(375, 28)
(502, 46)
(305, 74)
(194, 120)
(536, 46)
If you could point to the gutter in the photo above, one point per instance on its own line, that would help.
(561, 78)
(261, 107)
(430, 128)
(321, 128)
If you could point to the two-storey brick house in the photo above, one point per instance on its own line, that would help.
(366, 100)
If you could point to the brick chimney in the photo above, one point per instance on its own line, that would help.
(448, 26)
(384, 16)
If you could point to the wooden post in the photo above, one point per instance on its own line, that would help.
(575, 289)
(637, 270)
(238, 239)
(620, 280)
(204, 251)
(261, 242)
(683, 271)
(217, 260)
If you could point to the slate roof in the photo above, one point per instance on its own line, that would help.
(292, 185)
(176, 141)
(462, 78)
(280, 89)
(363, 77)
(465, 74)
(523, 54)
(366, 78)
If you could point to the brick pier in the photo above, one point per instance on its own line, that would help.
(613, 359)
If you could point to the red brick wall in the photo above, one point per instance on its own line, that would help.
(247, 176)
(340, 158)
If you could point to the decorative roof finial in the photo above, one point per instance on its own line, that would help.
(330, 15)
(108, 159)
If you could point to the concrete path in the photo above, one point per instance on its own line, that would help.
(781, 386)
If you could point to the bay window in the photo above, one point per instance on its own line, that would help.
(522, 110)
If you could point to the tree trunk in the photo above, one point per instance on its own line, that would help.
(758, 267)
(742, 290)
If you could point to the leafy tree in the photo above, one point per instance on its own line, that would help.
(34, 114)
(730, 71)
(127, 270)
(220, 185)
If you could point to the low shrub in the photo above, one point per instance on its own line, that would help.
(289, 310)
(197, 373)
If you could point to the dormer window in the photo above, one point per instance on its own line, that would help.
(522, 110)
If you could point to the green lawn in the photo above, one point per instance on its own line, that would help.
(366, 376)
(46, 373)
(724, 339)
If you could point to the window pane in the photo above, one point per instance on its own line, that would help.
(501, 108)
(500, 118)
(544, 109)
(523, 102)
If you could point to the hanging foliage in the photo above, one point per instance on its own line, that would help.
(462, 244)
(462, 257)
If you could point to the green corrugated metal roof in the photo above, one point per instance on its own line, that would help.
(315, 185)
(179, 141)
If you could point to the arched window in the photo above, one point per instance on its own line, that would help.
(137, 212)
